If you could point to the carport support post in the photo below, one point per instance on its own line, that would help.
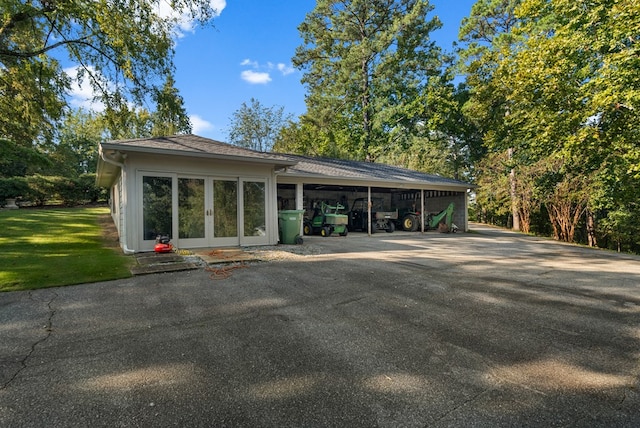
(369, 210)
(421, 210)
(300, 203)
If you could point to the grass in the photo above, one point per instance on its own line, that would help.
(53, 247)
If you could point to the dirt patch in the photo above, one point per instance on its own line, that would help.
(109, 232)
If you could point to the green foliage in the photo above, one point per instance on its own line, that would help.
(367, 66)
(62, 190)
(257, 127)
(123, 49)
(493, 206)
(556, 83)
(12, 187)
(75, 150)
(170, 117)
(307, 137)
(620, 228)
(18, 160)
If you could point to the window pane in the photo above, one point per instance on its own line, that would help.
(156, 207)
(225, 209)
(254, 209)
(190, 208)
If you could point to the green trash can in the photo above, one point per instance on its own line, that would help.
(289, 226)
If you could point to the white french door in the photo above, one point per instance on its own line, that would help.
(204, 211)
(207, 212)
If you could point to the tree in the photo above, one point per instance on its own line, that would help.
(122, 48)
(576, 90)
(18, 161)
(569, 83)
(75, 151)
(366, 66)
(170, 117)
(256, 127)
(491, 40)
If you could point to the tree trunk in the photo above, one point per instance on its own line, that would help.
(591, 229)
(366, 119)
(513, 194)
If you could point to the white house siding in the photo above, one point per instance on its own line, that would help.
(138, 165)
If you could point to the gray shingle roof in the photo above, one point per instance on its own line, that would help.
(193, 145)
(327, 168)
(303, 167)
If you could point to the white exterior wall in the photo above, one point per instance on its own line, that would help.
(136, 165)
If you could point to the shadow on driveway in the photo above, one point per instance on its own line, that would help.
(489, 328)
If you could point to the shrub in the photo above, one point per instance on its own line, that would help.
(40, 189)
(13, 187)
(68, 191)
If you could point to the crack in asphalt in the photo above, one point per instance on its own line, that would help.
(462, 404)
(48, 328)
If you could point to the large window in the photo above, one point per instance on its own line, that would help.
(225, 208)
(254, 208)
(156, 207)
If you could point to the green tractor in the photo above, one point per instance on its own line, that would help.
(326, 220)
(443, 221)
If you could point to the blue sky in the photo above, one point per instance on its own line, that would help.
(247, 54)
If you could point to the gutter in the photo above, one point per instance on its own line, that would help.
(104, 157)
(120, 165)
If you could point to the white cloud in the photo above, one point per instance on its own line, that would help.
(255, 77)
(285, 69)
(248, 62)
(185, 23)
(82, 95)
(199, 124)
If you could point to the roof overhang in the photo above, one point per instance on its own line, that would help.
(287, 178)
(278, 163)
(109, 167)
(289, 169)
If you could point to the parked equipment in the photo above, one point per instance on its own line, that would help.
(326, 220)
(408, 220)
(380, 219)
(443, 221)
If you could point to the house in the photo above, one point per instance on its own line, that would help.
(205, 193)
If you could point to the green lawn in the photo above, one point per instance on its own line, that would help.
(53, 247)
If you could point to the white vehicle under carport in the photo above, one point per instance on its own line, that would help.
(381, 219)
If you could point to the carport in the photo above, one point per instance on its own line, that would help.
(312, 180)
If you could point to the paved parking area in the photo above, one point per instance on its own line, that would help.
(488, 328)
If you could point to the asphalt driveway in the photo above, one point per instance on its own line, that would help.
(480, 329)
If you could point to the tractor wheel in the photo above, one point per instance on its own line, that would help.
(346, 231)
(307, 229)
(410, 223)
(391, 227)
(325, 231)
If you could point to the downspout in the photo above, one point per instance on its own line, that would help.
(120, 165)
